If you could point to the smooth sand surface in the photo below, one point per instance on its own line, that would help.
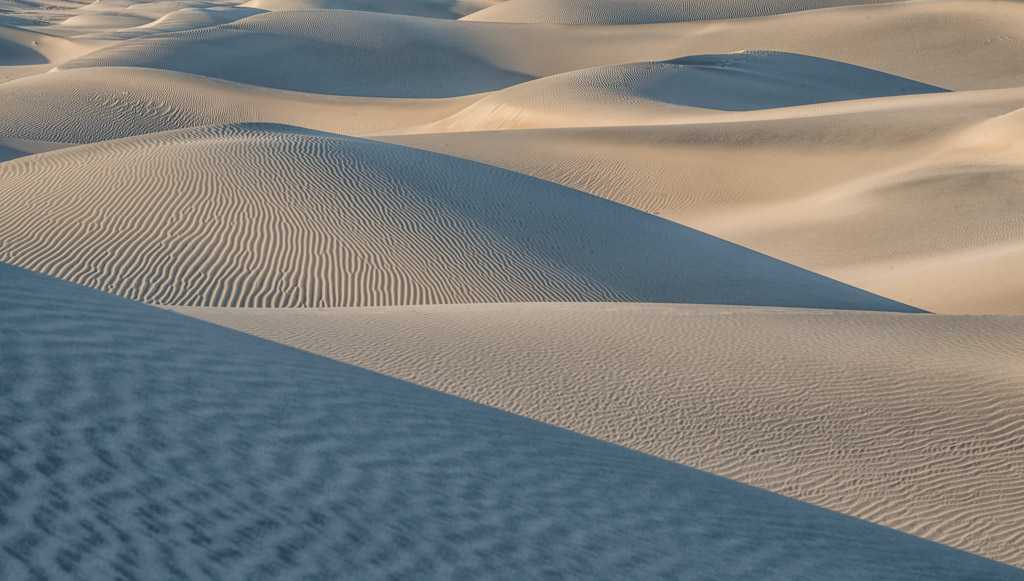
(181, 449)
(644, 11)
(451, 9)
(672, 91)
(91, 105)
(915, 198)
(738, 235)
(909, 421)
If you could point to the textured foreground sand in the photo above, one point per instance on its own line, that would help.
(910, 421)
(141, 443)
(712, 231)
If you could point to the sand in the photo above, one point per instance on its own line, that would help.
(909, 421)
(734, 289)
(182, 449)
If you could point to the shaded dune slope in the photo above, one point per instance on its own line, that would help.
(426, 8)
(818, 405)
(914, 198)
(182, 19)
(353, 223)
(99, 104)
(385, 55)
(660, 92)
(644, 11)
(186, 450)
(342, 52)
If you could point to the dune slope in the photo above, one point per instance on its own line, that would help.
(99, 104)
(912, 197)
(182, 449)
(353, 222)
(673, 91)
(426, 8)
(970, 45)
(912, 421)
(644, 11)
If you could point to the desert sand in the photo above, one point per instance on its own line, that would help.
(512, 289)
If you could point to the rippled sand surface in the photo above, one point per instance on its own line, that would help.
(733, 289)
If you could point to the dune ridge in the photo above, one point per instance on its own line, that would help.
(667, 92)
(188, 450)
(357, 223)
(646, 11)
(914, 198)
(816, 405)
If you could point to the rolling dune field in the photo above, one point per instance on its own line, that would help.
(512, 289)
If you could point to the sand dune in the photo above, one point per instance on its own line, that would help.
(98, 104)
(818, 405)
(426, 8)
(645, 11)
(186, 450)
(25, 47)
(105, 20)
(160, 218)
(11, 148)
(367, 55)
(670, 91)
(710, 231)
(913, 198)
(385, 55)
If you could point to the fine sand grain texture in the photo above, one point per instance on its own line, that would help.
(142, 443)
(781, 241)
(915, 422)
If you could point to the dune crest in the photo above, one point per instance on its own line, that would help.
(358, 223)
(817, 405)
(675, 91)
(646, 11)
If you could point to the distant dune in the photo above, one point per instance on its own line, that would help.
(644, 11)
(873, 193)
(670, 91)
(426, 8)
(98, 104)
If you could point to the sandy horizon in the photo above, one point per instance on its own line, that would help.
(512, 289)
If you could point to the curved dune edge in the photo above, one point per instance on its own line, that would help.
(369, 53)
(646, 11)
(670, 91)
(913, 197)
(210, 453)
(100, 104)
(270, 215)
(450, 9)
(914, 422)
